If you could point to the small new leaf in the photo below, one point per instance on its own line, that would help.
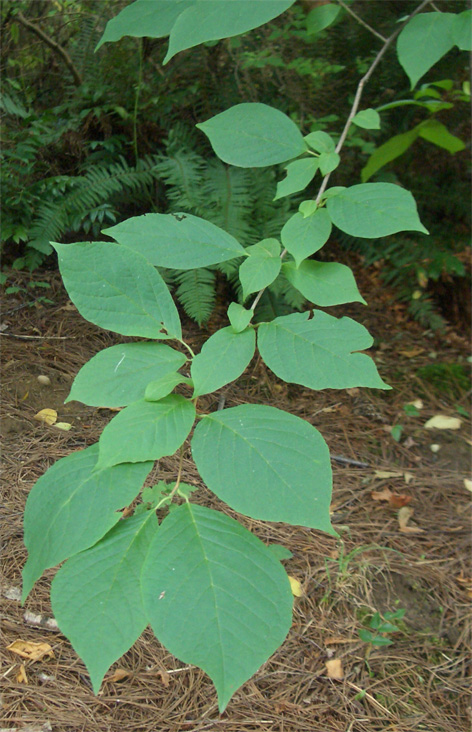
(223, 358)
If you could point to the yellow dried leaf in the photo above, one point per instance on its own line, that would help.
(63, 426)
(468, 484)
(119, 675)
(404, 515)
(411, 352)
(408, 477)
(31, 650)
(21, 677)
(387, 474)
(418, 403)
(443, 422)
(334, 669)
(295, 586)
(49, 416)
(384, 495)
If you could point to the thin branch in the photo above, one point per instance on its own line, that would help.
(362, 22)
(53, 45)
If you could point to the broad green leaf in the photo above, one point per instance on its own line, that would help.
(253, 135)
(334, 191)
(305, 236)
(117, 289)
(320, 141)
(328, 161)
(307, 208)
(176, 241)
(158, 389)
(223, 358)
(72, 506)
(462, 30)
(261, 266)
(371, 210)
(143, 18)
(389, 151)
(423, 41)
(96, 595)
(215, 596)
(321, 17)
(434, 131)
(318, 353)
(239, 317)
(299, 174)
(146, 431)
(210, 20)
(369, 119)
(323, 283)
(119, 375)
(280, 552)
(265, 463)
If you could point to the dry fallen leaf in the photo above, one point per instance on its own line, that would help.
(21, 677)
(118, 675)
(63, 426)
(383, 495)
(408, 477)
(387, 474)
(443, 422)
(468, 484)
(165, 678)
(417, 403)
(395, 500)
(404, 515)
(295, 586)
(49, 416)
(334, 669)
(31, 650)
(411, 352)
(409, 442)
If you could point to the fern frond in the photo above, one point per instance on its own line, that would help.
(196, 292)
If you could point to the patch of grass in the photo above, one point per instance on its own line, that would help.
(446, 378)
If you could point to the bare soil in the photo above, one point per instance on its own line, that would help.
(420, 682)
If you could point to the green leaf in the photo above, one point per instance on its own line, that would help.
(215, 596)
(323, 283)
(321, 17)
(96, 597)
(318, 353)
(328, 161)
(239, 317)
(371, 210)
(396, 432)
(119, 375)
(461, 30)
(223, 358)
(158, 389)
(389, 151)
(117, 289)
(368, 119)
(280, 552)
(210, 20)
(253, 135)
(143, 18)
(176, 241)
(304, 236)
(299, 174)
(261, 267)
(266, 464)
(307, 208)
(72, 506)
(146, 431)
(320, 141)
(423, 41)
(334, 191)
(437, 133)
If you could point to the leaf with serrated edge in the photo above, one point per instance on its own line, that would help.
(324, 283)
(265, 463)
(318, 353)
(215, 596)
(72, 506)
(304, 236)
(117, 289)
(118, 376)
(146, 431)
(224, 357)
(176, 241)
(96, 597)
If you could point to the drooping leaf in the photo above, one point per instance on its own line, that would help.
(117, 289)
(72, 506)
(176, 241)
(253, 135)
(434, 131)
(321, 17)
(328, 161)
(210, 20)
(371, 210)
(320, 141)
(319, 353)
(368, 119)
(239, 317)
(261, 266)
(324, 283)
(143, 18)
(158, 389)
(299, 174)
(304, 236)
(265, 463)
(146, 431)
(215, 596)
(223, 358)
(423, 41)
(461, 30)
(118, 376)
(389, 151)
(96, 595)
